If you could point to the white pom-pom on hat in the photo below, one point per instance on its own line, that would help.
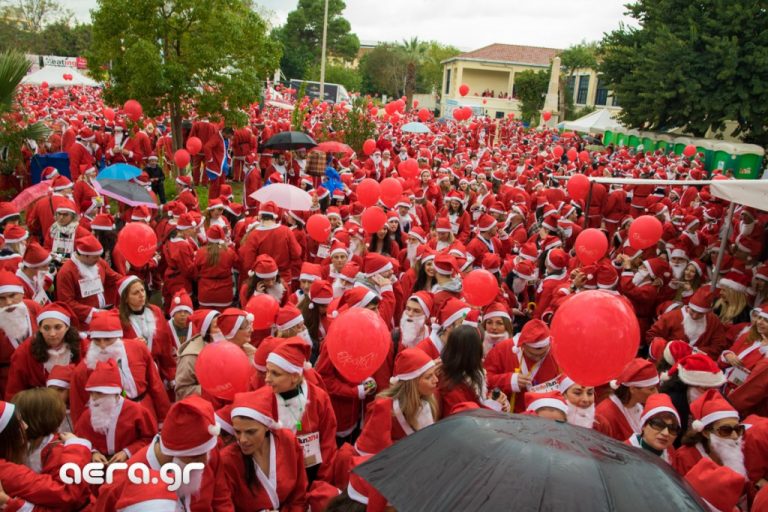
(214, 430)
(697, 425)
(614, 384)
(393, 380)
(177, 300)
(516, 349)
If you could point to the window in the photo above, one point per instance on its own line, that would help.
(499, 115)
(614, 100)
(570, 86)
(601, 97)
(447, 81)
(581, 97)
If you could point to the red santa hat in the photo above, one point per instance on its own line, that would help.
(529, 252)
(105, 378)
(181, 301)
(698, 369)
(140, 212)
(125, 283)
(375, 263)
(105, 324)
(658, 268)
(425, 253)
(553, 399)
(86, 134)
(320, 494)
(410, 364)
(338, 248)
(446, 265)
(638, 373)
(231, 320)
(291, 355)
(7, 412)
(10, 283)
(88, 246)
(358, 489)
(7, 210)
(103, 222)
(525, 270)
(186, 221)
(320, 292)
(453, 309)
(486, 222)
(762, 311)
(534, 334)
(269, 208)
(288, 317)
(719, 486)
(153, 496)
(216, 235)
(15, 234)
(496, 310)
(736, 281)
(425, 301)
(257, 405)
(709, 408)
(678, 252)
(671, 351)
(202, 320)
(348, 272)
(60, 376)
(311, 271)
(64, 205)
(443, 225)
(418, 233)
(190, 428)
(215, 203)
(264, 267)
(61, 183)
(491, 262)
(701, 268)
(356, 297)
(748, 245)
(657, 404)
(557, 259)
(58, 311)
(701, 301)
(332, 211)
(184, 181)
(265, 348)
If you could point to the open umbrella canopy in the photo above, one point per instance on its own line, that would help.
(489, 461)
(285, 196)
(331, 146)
(286, 141)
(122, 172)
(415, 127)
(126, 192)
(30, 194)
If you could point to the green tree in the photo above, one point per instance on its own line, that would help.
(579, 56)
(34, 15)
(61, 38)
(213, 54)
(696, 69)
(302, 36)
(415, 52)
(349, 77)
(355, 125)
(430, 76)
(383, 71)
(531, 88)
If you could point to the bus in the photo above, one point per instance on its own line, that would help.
(333, 93)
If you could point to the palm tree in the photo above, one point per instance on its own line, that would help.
(415, 52)
(13, 133)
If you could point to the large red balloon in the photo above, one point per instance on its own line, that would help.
(590, 246)
(368, 192)
(133, 110)
(644, 232)
(424, 115)
(458, 114)
(319, 227)
(223, 369)
(547, 116)
(584, 157)
(572, 154)
(480, 287)
(194, 145)
(463, 89)
(595, 334)
(181, 158)
(689, 150)
(558, 151)
(578, 187)
(408, 168)
(369, 146)
(264, 308)
(358, 342)
(372, 219)
(138, 243)
(391, 189)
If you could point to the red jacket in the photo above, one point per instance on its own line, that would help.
(214, 283)
(68, 290)
(133, 429)
(80, 159)
(670, 327)
(8, 346)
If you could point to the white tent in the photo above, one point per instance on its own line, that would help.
(55, 77)
(596, 122)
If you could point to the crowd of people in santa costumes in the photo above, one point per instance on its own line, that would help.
(98, 357)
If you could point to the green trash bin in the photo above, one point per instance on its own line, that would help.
(748, 167)
(662, 145)
(633, 141)
(723, 160)
(621, 139)
(608, 137)
(649, 144)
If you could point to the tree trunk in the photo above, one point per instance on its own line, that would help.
(176, 130)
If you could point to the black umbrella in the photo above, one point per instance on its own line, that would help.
(488, 461)
(289, 141)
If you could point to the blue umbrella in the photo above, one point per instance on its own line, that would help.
(416, 127)
(122, 172)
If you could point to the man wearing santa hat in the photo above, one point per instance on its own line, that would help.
(556, 263)
(179, 322)
(694, 323)
(17, 318)
(33, 272)
(486, 241)
(414, 322)
(619, 415)
(646, 287)
(272, 239)
(85, 282)
(189, 435)
(81, 153)
(580, 401)
(139, 375)
(497, 325)
(117, 427)
(41, 214)
(550, 405)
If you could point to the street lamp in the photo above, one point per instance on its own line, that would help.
(322, 54)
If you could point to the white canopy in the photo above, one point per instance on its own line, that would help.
(54, 75)
(596, 122)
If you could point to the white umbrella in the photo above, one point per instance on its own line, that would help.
(287, 197)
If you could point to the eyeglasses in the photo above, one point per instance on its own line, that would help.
(728, 430)
(659, 425)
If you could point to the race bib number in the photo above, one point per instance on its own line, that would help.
(63, 245)
(90, 287)
(737, 376)
(545, 387)
(310, 443)
(323, 251)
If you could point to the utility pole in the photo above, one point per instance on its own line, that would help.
(322, 54)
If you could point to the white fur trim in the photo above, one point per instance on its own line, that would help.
(11, 288)
(157, 505)
(322, 302)
(8, 413)
(757, 311)
(58, 383)
(284, 364)
(386, 267)
(355, 495)
(293, 322)
(698, 309)
(56, 315)
(369, 296)
(658, 410)
(497, 314)
(267, 276)
(214, 430)
(566, 384)
(715, 416)
(190, 452)
(697, 425)
(107, 390)
(223, 425)
(548, 402)
(253, 414)
(105, 334)
(699, 378)
(308, 277)
(414, 374)
(128, 281)
(421, 303)
(238, 324)
(207, 322)
(614, 384)
(733, 285)
(448, 321)
(539, 344)
(642, 383)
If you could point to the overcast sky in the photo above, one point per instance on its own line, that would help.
(466, 24)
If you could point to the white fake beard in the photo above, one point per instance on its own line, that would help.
(96, 355)
(411, 330)
(492, 339)
(411, 253)
(640, 277)
(730, 452)
(103, 412)
(14, 322)
(61, 356)
(276, 291)
(581, 417)
(693, 328)
(191, 489)
(338, 288)
(678, 270)
(746, 229)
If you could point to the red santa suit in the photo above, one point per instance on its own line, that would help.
(26, 371)
(277, 241)
(672, 326)
(613, 419)
(546, 292)
(85, 198)
(204, 131)
(149, 390)
(8, 346)
(750, 397)
(153, 328)
(71, 282)
(216, 160)
(80, 159)
(40, 215)
(124, 149)
(480, 246)
(251, 184)
(243, 144)
(749, 353)
(214, 283)
(282, 489)
(179, 257)
(686, 457)
(133, 429)
(432, 345)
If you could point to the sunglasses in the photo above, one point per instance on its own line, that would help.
(659, 425)
(728, 430)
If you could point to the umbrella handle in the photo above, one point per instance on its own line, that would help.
(514, 398)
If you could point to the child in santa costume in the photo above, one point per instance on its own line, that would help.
(660, 427)
(750, 348)
(619, 415)
(117, 427)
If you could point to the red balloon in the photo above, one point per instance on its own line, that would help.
(373, 218)
(584, 157)
(644, 232)
(511, 115)
(415, 103)
(369, 146)
(374, 111)
(181, 158)
(689, 150)
(547, 116)
(424, 115)
(137, 242)
(458, 114)
(463, 89)
(390, 108)
(468, 112)
(223, 369)
(109, 114)
(357, 357)
(408, 168)
(400, 105)
(572, 154)
(480, 287)
(368, 192)
(264, 308)
(594, 322)
(591, 245)
(485, 101)
(319, 227)
(391, 188)
(133, 110)
(558, 151)
(578, 187)
(194, 145)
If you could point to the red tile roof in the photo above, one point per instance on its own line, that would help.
(512, 53)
